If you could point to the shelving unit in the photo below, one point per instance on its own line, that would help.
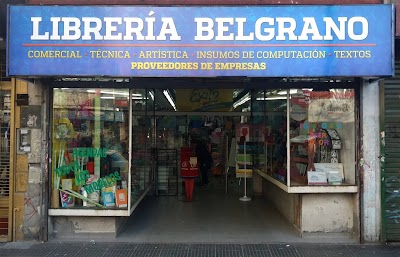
(166, 172)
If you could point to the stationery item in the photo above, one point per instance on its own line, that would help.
(67, 183)
(67, 200)
(94, 198)
(108, 199)
(121, 198)
(317, 178)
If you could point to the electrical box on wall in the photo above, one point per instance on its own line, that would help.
(24, 140)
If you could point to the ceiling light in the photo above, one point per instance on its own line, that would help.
(284, 92)
(108, 92)
(169, 98)
(242, 100)
(271, 98)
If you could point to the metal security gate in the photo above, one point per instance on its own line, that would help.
(5, 97)
(390, 161)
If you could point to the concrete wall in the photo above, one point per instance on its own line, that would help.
(327, 213)
(87, 228)
(28, 192)
(257, 184)
(285, 203)
(317, 215)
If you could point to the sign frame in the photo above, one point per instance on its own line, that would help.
(201, 41)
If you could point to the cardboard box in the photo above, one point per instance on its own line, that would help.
(317, 178)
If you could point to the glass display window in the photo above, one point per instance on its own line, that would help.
(104, 140)
(308, 137)
(90, 145)
(269, 120)
(322, 137)
(142, 135)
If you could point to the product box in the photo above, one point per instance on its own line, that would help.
(334, 178)
(95, 196)
(108, 199)
(67, 183)
(330, 168)
(317, 178)
(67, 200)
(121, 198)
(106, 190)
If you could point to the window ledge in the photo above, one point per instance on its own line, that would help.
(98, 212)
(309, 189)
(88, 212)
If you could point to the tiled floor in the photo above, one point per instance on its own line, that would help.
(212, 217)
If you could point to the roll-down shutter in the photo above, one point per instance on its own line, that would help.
(391, 161)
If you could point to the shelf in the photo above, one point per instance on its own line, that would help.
(309, 189)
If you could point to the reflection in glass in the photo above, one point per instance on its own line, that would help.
(269, 117)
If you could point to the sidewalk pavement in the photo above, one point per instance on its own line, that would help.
(115, 249)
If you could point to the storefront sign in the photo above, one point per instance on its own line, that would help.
(195, 2)
(200, 41)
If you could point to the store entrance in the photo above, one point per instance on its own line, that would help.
(215, 213)
(205, 122)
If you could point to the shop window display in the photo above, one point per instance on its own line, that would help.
(322, 137)
(90, 148)
(321, 132)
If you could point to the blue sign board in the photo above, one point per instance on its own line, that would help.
(151, 41)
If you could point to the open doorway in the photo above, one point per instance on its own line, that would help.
(211, 140)
(216, 213)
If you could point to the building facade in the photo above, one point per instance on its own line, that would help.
(84, 129)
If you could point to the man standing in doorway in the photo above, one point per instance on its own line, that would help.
(204, 160)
